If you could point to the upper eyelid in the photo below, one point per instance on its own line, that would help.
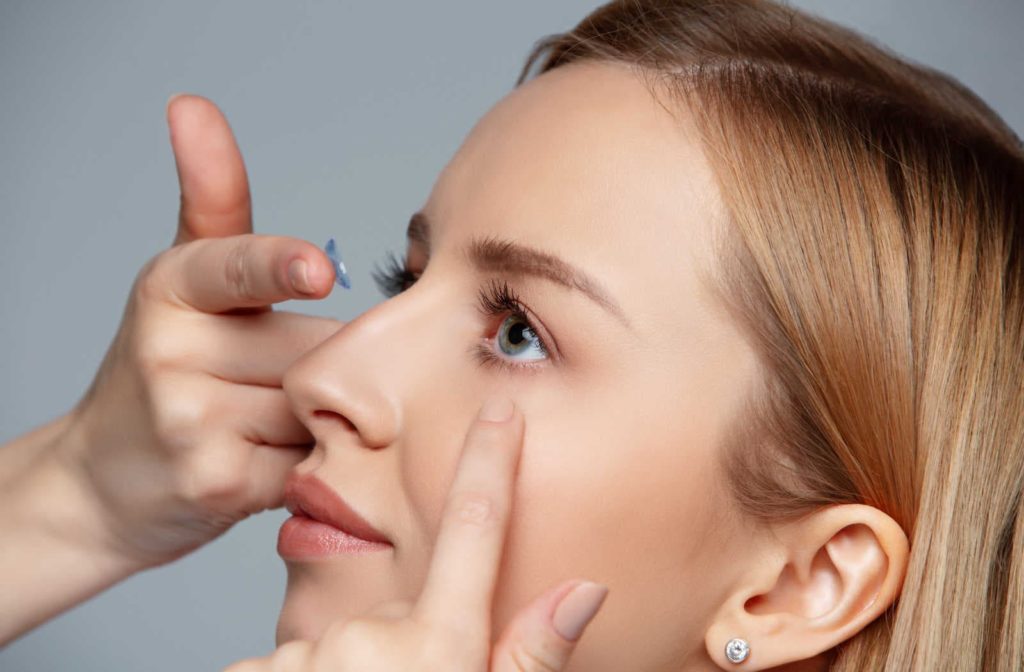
(547, 338)
(491, 253)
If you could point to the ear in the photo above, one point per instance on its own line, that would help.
(815, 583)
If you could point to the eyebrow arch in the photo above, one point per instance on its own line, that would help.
(493, 255)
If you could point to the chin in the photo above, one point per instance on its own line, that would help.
(307, 618)
(320, 594)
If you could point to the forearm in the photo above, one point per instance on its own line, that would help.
(52, 556)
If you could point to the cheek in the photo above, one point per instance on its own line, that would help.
(625, 502)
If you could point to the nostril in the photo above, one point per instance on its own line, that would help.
(334, 417)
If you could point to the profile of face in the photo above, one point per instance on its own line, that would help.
(625, 370)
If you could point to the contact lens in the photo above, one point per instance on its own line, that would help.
(340, 275)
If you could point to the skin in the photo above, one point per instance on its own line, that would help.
(184, 429)
(449, 627)
(619, 480)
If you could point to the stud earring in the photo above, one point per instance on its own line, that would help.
(737, 650)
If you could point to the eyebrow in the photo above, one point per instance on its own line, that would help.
(493, 255)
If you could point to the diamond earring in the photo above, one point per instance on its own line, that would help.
(737, 650)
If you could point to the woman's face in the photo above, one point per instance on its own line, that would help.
(626, 379)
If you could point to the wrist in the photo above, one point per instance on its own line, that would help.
(83, 517)
(56, 551)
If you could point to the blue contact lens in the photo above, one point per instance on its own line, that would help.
(340, 275)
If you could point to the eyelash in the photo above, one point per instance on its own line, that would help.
(497, 298)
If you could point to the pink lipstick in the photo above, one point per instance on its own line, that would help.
(322, 523)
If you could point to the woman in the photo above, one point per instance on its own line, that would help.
(755, 289)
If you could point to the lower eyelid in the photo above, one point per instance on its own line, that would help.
(485, 356)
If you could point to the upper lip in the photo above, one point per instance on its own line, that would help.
(307, 495)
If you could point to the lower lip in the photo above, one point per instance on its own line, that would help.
(301, 537)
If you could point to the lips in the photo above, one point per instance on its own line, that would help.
(306, 495)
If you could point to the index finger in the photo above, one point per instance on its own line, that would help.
(214, 275)
(460, 583)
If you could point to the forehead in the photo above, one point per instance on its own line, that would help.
(585, 163)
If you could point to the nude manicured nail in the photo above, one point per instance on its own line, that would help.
(298, 273)
(577, 608)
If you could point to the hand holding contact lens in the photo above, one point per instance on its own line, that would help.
(340, 274)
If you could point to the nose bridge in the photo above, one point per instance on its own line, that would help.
(369, 367)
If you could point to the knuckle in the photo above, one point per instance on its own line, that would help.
(473, 508)
(175, 417)
(148, 283)
(490, 436)
(154, 349)
(149, 355)
(175, 426)
(212, 475)
(154, 280)
(527, 660)
(236, 269)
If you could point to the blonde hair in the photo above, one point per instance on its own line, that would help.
(874, 259)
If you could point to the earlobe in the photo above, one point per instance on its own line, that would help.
(814, 583)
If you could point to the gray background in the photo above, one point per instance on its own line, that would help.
(345, 113)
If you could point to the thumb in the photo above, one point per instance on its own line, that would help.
(543, 635)
(215, 200)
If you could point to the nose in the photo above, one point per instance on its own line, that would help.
(352, 387)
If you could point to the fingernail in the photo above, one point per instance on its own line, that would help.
(496, 409)
(577, 609)
(298, 273)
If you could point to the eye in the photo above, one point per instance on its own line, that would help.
(516, 344)
(515, 335)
